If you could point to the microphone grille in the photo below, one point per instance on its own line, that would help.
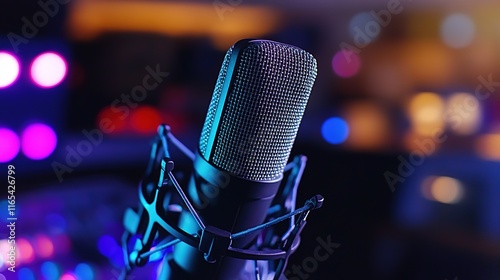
(253, 118)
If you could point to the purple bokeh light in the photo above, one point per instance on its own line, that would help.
(38, 141)
(346, 64)
(9, 145)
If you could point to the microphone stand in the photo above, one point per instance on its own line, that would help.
(151, 228)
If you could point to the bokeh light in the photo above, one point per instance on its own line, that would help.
(369, 126)
(463, 113)
(443, 189)
(4, 250)
(113, 119)
(426, 112)
(56, 223)
(364, 28)
(43, 246)
(50, 270)
(488, 146)
(145, 119)
(9, 69)
(68, 276)
(26, 274)
(346, 63)
(9, 145)
(26, 253)
(48, 69)
(84, 271)
(335, 130)
(107, 245)
(427, 63)
(38, 141)
(457, 30)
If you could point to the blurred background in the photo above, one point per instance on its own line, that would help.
(402, 129)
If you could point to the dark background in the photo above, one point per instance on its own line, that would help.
(413, 227)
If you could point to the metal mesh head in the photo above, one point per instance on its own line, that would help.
(256, 108)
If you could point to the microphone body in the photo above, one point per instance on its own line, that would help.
(252, 121)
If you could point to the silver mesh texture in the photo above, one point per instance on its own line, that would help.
(205, 133)
(262, 111)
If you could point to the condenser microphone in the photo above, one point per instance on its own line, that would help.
(224, 224)
(259, 99)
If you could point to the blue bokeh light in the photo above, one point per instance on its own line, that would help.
(26, 274)
(84, 271)
(335, 130)
(56, 222)
(107, 245)
(50, 270)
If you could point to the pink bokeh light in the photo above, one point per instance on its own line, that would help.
(9, 145)
(26, 253)
(38, 141)
(48, 69)
(44, 247)
(68, 276)
(346, 64)
(9, 69)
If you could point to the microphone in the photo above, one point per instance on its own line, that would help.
(253, 118)
(235, 192)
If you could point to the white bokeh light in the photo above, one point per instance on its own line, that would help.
(9, 69)
(48, 69)
(457, 30)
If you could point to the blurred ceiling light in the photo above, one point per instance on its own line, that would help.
(457, 31)
(426, 111)
(463, 113)
(443, 189)
(368, 126)
(488, 146)
(88, 19)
